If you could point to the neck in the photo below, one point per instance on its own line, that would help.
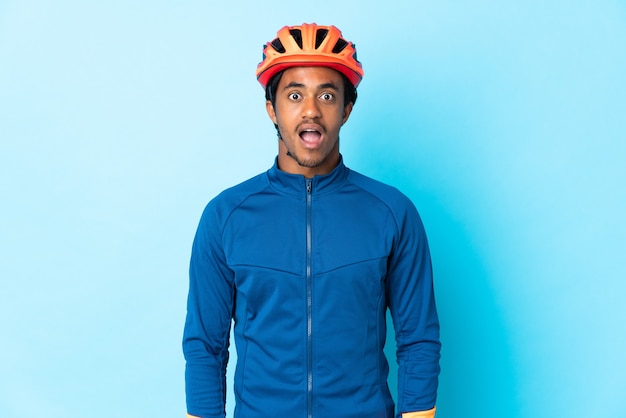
(293, 165)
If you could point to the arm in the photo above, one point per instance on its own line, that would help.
(207, 327)
(412, 307)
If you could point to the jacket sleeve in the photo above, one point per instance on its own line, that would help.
(207, 327)
(412, 306)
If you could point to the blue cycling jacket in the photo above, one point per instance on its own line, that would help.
(307, 269)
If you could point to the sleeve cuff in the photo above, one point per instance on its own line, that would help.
(420, 414)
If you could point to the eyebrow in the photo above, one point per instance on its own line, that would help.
(294, 84)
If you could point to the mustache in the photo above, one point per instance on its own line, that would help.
(310, 124)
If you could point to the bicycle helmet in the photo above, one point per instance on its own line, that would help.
(309, 45)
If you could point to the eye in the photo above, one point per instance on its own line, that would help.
(294, 96)
(327, 97)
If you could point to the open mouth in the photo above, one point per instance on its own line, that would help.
(312, 136)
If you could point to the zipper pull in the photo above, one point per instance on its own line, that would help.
(309, 186)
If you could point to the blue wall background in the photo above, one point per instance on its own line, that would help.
(505, 122)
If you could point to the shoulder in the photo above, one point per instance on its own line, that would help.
(397, 205)
(241, 191)
(221, 206)
(385, 193)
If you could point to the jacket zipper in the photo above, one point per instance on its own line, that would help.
(309, 321)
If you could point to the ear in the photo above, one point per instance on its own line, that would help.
(271, 112)
(346, 112)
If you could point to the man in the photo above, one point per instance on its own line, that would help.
(306, 258)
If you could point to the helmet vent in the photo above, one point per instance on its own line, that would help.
(340, 46)
(297, 36)
(320, 35)
(278, 46)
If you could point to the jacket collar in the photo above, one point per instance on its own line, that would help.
(295, 184)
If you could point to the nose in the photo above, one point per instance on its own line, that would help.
(310, 108)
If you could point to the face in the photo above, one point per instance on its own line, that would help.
(309, 113)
